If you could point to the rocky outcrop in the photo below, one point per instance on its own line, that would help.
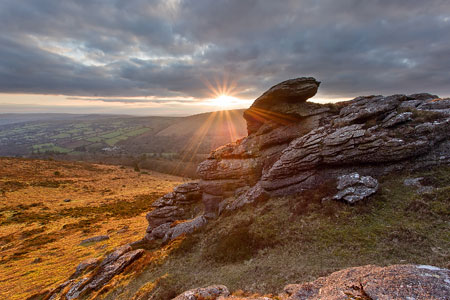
(372, 135)
(295, 145)
(173, 207)
(95, 273)
(419, 282)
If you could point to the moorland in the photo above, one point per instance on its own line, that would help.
(48, 208)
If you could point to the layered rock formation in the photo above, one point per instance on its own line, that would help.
(364, 283)
(181, 204)
(294, 145)
(283, 103)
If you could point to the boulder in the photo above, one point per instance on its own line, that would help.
(183, 194)
(354, 187)
(419, 282)
(371, 282)
(211, 292)
(283, 103)
(186, 188)
(76, 289)
(339, 146)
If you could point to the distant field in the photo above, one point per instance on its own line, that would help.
(40, 233)
(173, 145)
(121, 139)
(74, 135)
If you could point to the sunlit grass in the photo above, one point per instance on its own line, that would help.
(40, 234)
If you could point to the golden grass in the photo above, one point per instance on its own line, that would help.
(40, 234)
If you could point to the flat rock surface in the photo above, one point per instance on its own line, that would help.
(397, 282)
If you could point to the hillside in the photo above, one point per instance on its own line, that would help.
(23, 118)
(285, 240)
(311, 190)
(264, 246)
(213, 123)
(47, 208)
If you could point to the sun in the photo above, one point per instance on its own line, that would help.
(225, 100)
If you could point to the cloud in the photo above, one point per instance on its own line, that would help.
(177, 48)
(135, 101)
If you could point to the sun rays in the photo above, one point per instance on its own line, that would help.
(216, 128)
(224, 93)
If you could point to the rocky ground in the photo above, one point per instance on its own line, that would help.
(288, 185)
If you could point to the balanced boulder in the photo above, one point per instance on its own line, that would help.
(283, 103)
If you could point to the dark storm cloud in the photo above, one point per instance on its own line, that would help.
(174, 48)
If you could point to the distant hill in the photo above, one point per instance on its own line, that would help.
(21, 118)
(207, 131)
(226, 123)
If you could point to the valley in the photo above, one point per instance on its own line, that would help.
(171, 145)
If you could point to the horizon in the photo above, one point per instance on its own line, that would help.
(181, 57)
(120, 115)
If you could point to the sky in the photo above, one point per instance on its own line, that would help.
(179, 57)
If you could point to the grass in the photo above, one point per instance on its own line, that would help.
(40, 234)
(296, 239)
(50, 147)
